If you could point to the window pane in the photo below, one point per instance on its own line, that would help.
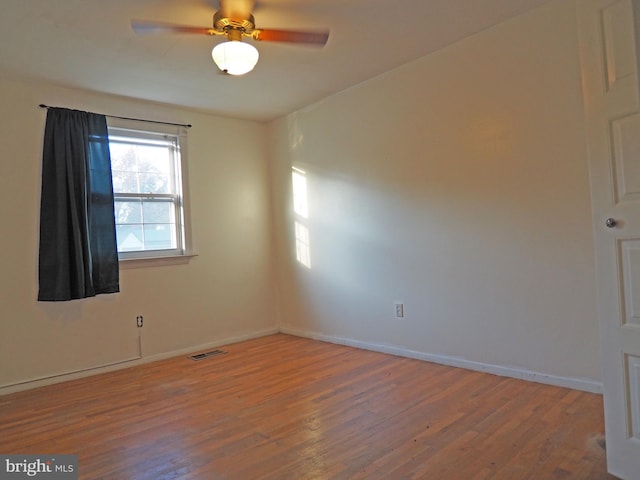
(153, 183)
(129, 238)
(128, 211)
(158, 211)
(122, 156)
(159, 237)
(124, 181)
(153, 158)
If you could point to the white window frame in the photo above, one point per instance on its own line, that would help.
(177, 134)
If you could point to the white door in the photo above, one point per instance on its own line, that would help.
(609, 60)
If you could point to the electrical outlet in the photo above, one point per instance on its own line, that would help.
(139, 321)
(399, 310)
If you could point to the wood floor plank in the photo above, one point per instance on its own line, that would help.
(282, 407)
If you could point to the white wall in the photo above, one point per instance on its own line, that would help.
(223, 294)
(457, 184)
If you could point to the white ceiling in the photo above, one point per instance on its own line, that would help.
(89, 44)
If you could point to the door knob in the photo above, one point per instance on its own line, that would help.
(611, 222)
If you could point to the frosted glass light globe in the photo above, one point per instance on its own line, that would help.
(235, 57)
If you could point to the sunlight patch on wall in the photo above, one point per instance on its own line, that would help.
(301, 210)
(300, 205)
(302, 245)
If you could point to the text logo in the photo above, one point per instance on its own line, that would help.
(40, 467)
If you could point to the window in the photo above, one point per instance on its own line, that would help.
(148, 192)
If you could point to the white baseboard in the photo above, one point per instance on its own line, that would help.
(521, 374)
(129, 362)
(567, 382)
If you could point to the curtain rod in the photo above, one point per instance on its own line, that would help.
(187, 125)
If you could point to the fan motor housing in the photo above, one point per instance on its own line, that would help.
(225, 24)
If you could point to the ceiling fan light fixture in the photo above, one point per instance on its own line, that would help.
(235, 57)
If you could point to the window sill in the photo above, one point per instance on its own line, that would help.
(126, 263)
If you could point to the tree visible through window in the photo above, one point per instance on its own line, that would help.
(146, 170)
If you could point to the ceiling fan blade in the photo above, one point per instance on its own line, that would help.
(143, 27)
(236, 8)
(290, 36)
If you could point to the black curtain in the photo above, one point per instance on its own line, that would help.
(78, 253)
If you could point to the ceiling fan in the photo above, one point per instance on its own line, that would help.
(235, 21)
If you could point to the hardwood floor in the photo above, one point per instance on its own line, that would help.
(282, 407)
